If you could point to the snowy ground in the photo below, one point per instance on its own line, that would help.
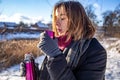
(13, 73)
(113, 59)
(113, 63)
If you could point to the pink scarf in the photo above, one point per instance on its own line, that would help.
(62, 43)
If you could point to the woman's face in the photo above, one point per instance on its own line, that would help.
(61, 21)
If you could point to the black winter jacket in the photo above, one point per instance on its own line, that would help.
(82, 60)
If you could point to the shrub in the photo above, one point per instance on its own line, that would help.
(12, 52)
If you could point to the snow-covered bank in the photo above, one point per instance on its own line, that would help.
(21, 35)
(113, 63)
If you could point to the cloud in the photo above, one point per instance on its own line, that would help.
(96, 6)
(98, 11)
(3, 18)
(17, 17)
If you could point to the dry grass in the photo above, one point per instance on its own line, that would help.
(12, 52)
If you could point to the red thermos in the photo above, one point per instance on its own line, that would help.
(50, 33)
(29, 63)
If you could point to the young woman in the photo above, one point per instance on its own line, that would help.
(76, 55)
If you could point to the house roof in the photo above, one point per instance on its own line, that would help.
(8, 24)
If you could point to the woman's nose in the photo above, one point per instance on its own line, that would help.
(58, 22)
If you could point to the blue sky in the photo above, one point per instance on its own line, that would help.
(41, 9)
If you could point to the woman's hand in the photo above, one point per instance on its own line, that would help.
(48, 45)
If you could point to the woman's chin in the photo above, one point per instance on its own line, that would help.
(61, 33)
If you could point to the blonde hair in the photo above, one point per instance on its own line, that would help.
(79, 24)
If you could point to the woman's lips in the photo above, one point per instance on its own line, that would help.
(59, 30)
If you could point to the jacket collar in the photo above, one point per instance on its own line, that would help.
(75, 50)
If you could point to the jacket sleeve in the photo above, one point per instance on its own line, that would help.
(92, 67)
(58, 70)
(94, 64)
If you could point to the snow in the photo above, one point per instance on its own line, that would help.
(40, 24)
(9, 36)
(112, 45)
(13, 73)
(113, 59)
(8, 24)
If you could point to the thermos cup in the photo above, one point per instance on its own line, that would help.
(29, 63)
(50, 33)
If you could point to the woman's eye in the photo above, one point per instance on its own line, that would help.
(62, 18)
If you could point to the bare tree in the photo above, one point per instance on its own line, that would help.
(117, 12)
(111, 21)
(112, 17)
(109, 18)
(90, 13)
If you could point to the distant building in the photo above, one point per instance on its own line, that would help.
(40, 25)
(13, 27)
(9, 25)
